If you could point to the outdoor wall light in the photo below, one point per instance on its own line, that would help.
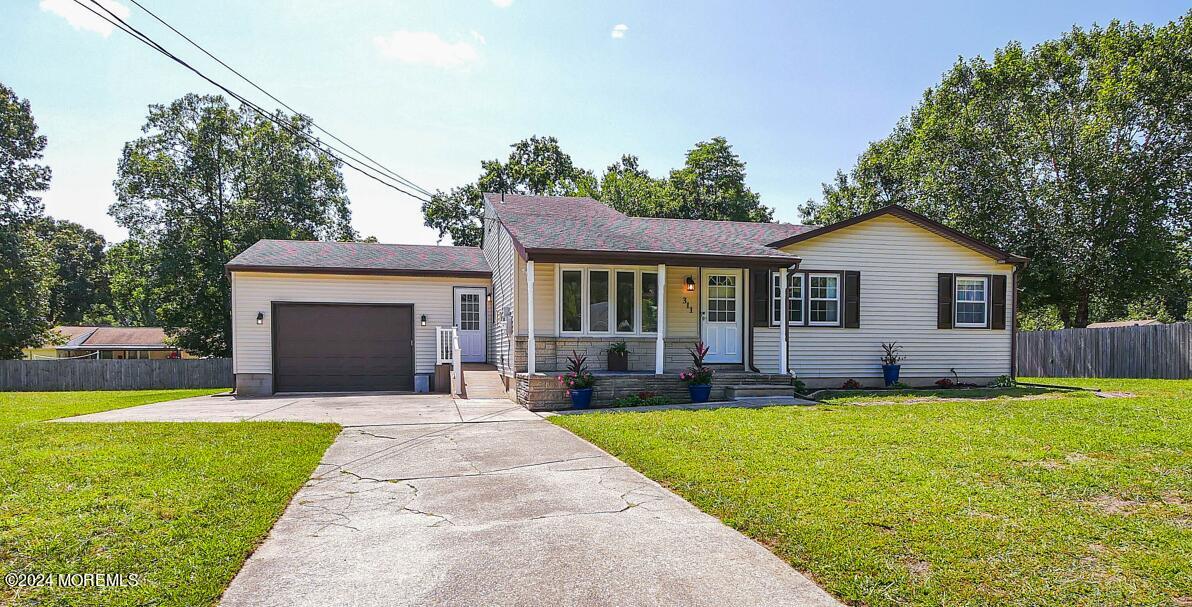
(260, 318)
(690, 284)
(423, 320)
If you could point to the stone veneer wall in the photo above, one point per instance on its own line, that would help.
(542, 392)
(552, 352)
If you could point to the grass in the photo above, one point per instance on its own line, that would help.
(180, 505)
(1027, 498)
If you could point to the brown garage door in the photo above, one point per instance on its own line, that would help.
(342, 347)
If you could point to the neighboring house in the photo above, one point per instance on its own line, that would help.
(1123, 323)
(116, 343)
(558, 275)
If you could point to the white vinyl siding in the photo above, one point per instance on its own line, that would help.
(254, 292)
(898, 264)
(501, 256)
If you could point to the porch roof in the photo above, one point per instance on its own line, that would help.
(577, 229)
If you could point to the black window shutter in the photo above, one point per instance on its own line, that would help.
(997, 298)
(944, 319)
(852, 299)
(760, 281)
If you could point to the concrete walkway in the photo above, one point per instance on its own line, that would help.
(423, 500)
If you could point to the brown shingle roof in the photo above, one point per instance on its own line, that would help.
(360, 257)
(549, 225)
(133, 337)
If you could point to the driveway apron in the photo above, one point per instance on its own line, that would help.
(423, 500)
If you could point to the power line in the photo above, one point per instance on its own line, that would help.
(326, 148)
(375, 163)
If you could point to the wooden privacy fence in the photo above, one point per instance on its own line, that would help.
(58, 375)
(1150, 351)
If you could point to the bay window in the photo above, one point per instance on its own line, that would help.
(571, 300)
(604, 301)
(649, 300)
(598, 301)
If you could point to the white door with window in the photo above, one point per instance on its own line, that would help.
(722, 316)
(471, 322)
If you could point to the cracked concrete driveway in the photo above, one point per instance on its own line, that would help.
(423, 500)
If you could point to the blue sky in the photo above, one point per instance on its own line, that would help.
(432, 88)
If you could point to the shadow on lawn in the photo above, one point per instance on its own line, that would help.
(835, 396)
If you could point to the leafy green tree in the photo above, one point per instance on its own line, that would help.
(459, 213)
(711, 185)
(81, 280)
(1076, 153)
(204, 183)
(26, 274)
(131, 267)
(631, 190)
(535, 166)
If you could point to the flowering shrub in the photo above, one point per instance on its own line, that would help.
(578, 377)
(697, 374)
(851, 384)
(945, 383)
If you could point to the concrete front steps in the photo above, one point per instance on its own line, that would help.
(753, 390)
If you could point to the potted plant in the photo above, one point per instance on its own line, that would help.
(698, 377)
(579, 381)
(618, 356)
(890, 360)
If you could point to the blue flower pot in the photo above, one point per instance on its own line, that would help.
(890, 374)
(699, 392)
(581, 398)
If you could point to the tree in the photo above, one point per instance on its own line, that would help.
(1076, 153)
(25, 275)
(81, 281)
(131, 266)
(631, 190)
(535, 166)
(711, 185)
(204, 183)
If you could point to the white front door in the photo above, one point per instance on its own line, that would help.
(470, 320)
(722, 316)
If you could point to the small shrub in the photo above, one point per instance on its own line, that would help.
(1003, 381)
(945, 383)
(800, 387)
(578, 377)
(851, 384)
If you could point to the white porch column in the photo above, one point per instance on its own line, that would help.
(782, 361)
(660, 345)
(530, 351)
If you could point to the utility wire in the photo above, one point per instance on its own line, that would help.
(326, 148)
(375, 163)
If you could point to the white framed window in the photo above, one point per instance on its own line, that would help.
(794, 298)
(605, 301)
(972, 302)
(571, 301)
(823, 299)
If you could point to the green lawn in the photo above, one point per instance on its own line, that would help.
(180, 505)
(1058, 498)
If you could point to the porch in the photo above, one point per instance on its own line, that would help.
(542, 391)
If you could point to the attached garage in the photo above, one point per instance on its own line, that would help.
(348, 317)
(343, 347)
